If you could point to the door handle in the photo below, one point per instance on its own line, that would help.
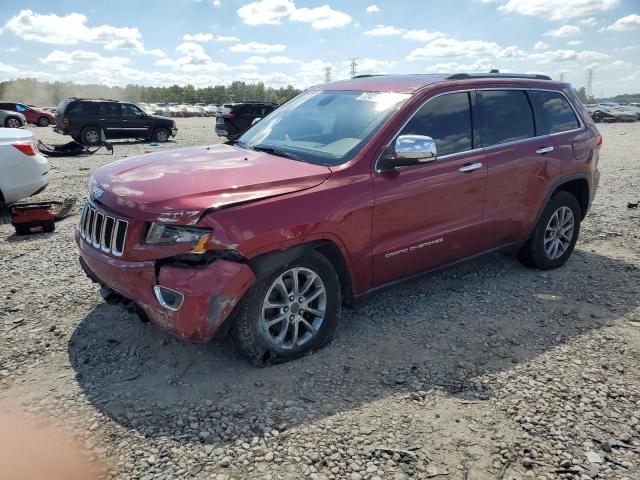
(543, 150)
(103, 119)
(470, 168)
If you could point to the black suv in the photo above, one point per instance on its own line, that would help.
(84, 119)
(234, 119)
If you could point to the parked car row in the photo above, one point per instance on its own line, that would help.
(174, 109)
(614, 112)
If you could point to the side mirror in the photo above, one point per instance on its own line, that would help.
(255, 120)
(408, 150)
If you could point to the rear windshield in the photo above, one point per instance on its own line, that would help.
(63, 105)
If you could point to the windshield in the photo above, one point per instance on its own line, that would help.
(323, 127)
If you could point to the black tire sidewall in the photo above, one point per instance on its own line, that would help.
(535, 245)
(155, 134)
(86, 130)
(262, 351)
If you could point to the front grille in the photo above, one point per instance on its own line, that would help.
(102, 231)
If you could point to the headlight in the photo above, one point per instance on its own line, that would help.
(163, 234)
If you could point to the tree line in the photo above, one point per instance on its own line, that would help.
(36, 92)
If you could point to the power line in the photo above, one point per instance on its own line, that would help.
(327, 74)
(590, 84)
(354, 66)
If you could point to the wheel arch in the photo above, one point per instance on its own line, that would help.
(267, 263)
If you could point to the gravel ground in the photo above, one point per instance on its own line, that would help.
(487, 371)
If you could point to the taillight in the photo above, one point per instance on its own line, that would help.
(599, 141)
(65, 121)
(229, 116)
(28, 148)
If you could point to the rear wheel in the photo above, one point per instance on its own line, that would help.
(555, 234)
(43, 122)
(160, 135)
(291, 312)
(12, 122)
(90, 136)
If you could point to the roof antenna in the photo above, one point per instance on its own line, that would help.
(495, 70)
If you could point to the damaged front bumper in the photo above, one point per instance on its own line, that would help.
(191, 302)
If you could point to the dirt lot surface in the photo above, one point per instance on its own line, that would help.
(488, 371)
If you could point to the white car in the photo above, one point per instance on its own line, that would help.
(23, 170)
(12, 119)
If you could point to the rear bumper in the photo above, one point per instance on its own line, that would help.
(210, 291)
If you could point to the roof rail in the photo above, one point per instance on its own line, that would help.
(366, 75)
(466, 76)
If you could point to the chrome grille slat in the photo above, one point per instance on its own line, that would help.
(102, 231)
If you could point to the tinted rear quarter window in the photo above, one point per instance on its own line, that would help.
(83, 108)
(553, 112)
(446, 119)
(506, 116)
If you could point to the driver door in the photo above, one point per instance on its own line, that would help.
(430, 214)
(135, 122)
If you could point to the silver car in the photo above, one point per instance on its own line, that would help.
(12, 119)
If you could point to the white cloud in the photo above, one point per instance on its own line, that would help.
(276, 79)
(558, 9)
(71, 29)
(482, 65)
(373, 9)
(371, 65)
(540, 46)
(198, 37)
(422, 35)
(619, 64)
(8, 69)
(257, 47)
(384, 31)
(451, 47)
(272, 12)
(216, 3)
(625, 24)
(588, 22)
(227, 38)
(564, 31)
(277, 60)
(574, 43)
(567, 55)
(207, 37)
(256, 59)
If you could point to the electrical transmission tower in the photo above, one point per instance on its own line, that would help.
(562, 76)
(354, 66)
(327, 74)
(590, 85)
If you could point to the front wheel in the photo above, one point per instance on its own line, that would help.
(43, 122)
(291, 312)
(160, 135)
(554, 236)
(12, 122)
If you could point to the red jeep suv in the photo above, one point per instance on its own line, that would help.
(345, 189)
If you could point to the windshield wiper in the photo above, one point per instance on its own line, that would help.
(276, 151)
(243, 145)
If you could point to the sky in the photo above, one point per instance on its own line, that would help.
(293, 42)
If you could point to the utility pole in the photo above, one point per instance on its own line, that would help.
(590, 85)
(327, 74)
(354, 66)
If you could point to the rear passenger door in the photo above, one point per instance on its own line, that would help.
(521, 162)
(111, 119)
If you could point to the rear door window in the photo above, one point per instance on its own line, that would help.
(83, 108)
(553, 112)
(506, 116)
(446, 119)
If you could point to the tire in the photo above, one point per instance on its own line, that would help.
(161, 135)
(552, 228)
(12, 122)
(258, 342)
(90, 135)
(43, 122)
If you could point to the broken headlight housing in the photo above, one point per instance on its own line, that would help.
(163, 234)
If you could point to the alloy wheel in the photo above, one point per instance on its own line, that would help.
(294, 308)
(13, 123)
(92, 136)
(559, 233)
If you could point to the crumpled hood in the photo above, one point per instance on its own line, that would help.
(178, 185)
